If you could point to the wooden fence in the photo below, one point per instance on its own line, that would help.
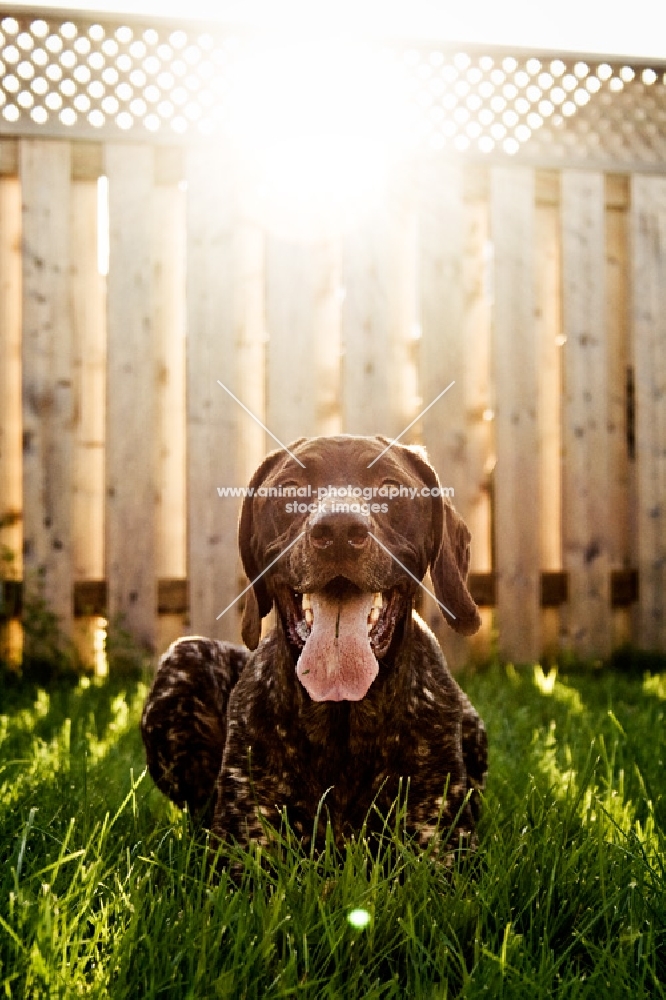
(541, 292)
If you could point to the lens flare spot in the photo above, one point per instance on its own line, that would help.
(359, 919)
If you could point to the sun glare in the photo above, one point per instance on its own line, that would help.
(318, 124)
(359, 918)
(101, 664)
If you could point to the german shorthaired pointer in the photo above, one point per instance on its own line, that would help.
(349, 693)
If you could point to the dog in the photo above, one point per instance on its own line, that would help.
(348, 698)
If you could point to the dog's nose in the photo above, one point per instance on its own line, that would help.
(339, 531)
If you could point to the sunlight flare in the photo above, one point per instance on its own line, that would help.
(319, 123)
(359, 919)
(544, 682)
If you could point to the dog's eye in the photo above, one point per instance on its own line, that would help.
(290, 487)
(391, 482)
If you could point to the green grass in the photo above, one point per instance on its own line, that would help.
(104, 890)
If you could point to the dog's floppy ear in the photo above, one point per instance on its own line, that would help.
(251, 620)
(448, 555)
(258, 601)
(448, 572)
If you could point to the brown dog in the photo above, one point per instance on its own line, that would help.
(349, 693)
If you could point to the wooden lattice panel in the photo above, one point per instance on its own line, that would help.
(66, 74)
(85, 77)
(549, 108)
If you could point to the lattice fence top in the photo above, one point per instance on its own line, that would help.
(106, 77)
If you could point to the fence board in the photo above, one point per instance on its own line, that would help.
(250, 321)
(442, 347)
(303, 317)
(442, 352)
(328, 336)
(290, 403)
(131, 395)
(168, 260)
(549, 329)
(476, 332)
(549, 347)
(10, 398)
(89, 367)
(168, 279)
(512, 207)
(89, 374)
(586, 521)
(621, 498)
(648, 223)
(213, 417)
(378, 318)
(45, 171)
(10, 373)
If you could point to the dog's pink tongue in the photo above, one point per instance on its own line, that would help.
(337, 663)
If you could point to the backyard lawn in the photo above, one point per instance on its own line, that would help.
(104, 890)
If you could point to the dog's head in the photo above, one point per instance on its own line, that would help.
(340, 545)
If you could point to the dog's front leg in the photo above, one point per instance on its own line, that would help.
(238, 789)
